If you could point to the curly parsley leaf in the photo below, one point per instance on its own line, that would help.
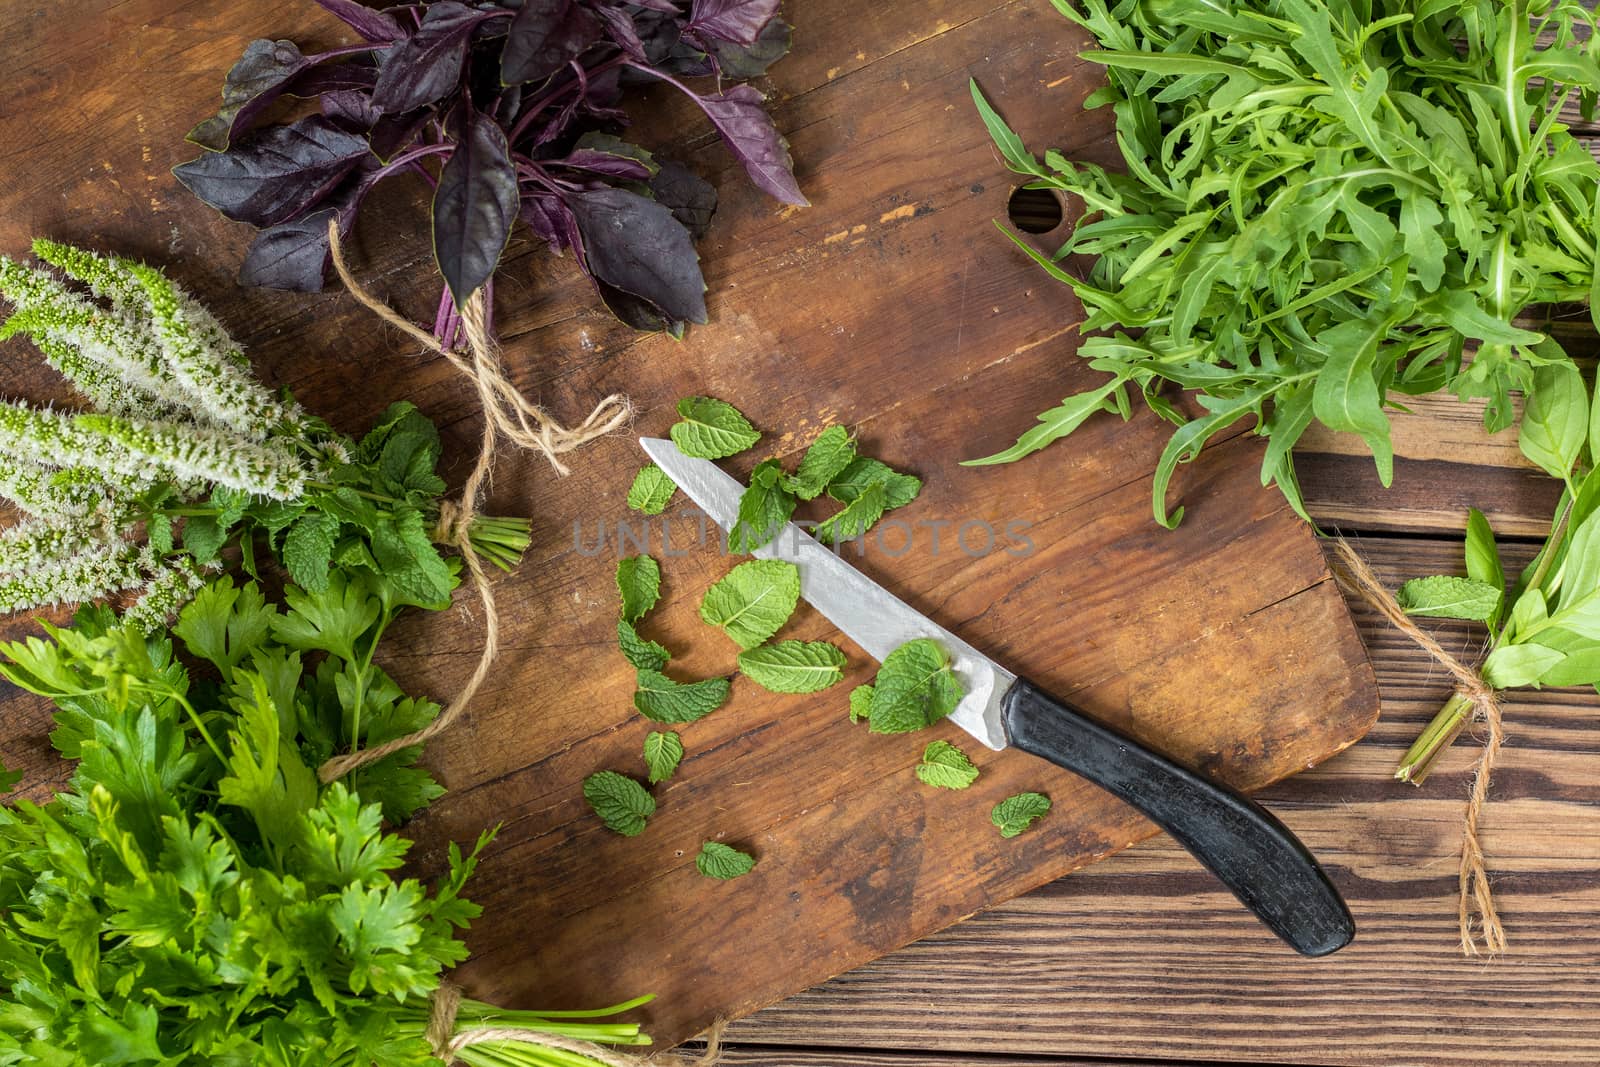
(945, 766)
(651, 490)
(639, 583)
(644, 655)
(662, 754)
(661, 699)
(711, 428)
(1015, 814)
(622, 803)
(753, 601)
(723, 862)
(829, 454)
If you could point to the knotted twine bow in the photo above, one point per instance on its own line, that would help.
(442, 1037)
(1354, 575)
(505, 411)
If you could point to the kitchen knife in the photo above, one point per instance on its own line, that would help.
(1242, 843)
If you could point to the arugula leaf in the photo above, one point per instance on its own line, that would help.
(723, 862)
(832, 451)
(639, 652)
(864, 472)
(622, 803)
(651, 490)
(661, 699)
(711, 428)
(639, 583)
(764, 508)
(915, 688)
(944, 766)
(793, 666)
(662, 753)
(1448, 597)
(753, 601)
(1016, 813)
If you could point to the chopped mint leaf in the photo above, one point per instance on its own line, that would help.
(645, 655)
(651, 490)
(764, 508)
(661, 699)
(915, 688)
(622, 803)
(864, 472)
(752, 601)
(662, 753)
(945, 766)
(1015, 814)
(793, 666)
(711, 428)
(856, 518)
(717, 860)
(639, 582)
(860, 703)
(829, 454)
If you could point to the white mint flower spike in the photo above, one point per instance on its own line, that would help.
(104, 569)
(33, 543)
(173, 584)
(72, 493)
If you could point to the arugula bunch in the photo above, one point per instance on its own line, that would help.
(196, 895)
(507, 110)
(1544, 625)
(1325, 202)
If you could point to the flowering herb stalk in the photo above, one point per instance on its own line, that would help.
(506, 110)
(184, 454)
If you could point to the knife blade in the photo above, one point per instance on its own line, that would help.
(1247, 847)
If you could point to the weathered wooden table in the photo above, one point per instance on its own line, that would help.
(1142, 959)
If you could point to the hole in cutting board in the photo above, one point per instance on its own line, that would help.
(1034, 210)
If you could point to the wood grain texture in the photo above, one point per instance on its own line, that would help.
(779, 1057)
(1141, 957)
(890, 306)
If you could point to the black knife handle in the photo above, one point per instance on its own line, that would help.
(1241, 842)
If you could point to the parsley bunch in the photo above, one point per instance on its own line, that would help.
(196, 895)
(1325, 202)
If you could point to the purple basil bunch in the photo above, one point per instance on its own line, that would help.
(507, 109)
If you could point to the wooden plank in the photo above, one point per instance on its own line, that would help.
(1141, 956)
(890, 306)
(781, 1057)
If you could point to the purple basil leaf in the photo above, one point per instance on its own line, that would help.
(351, 109)
(254, 82)
(691, 199)
(741, 62)
(636, 311)
(734, 21)
(598, 162)
(275, 173)
(333, 78)
(295, 255)
(620, 28)
(748, 131)
(391, 133)
(543, 214)
(666, 7)
(632, 243)
(371, 25)
(546, 35)
(475, 203)
(426, 66)
(659, 33)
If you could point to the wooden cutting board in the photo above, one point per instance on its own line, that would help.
(892, 306)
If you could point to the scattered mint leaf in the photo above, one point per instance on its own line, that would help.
(764, 508)
(662, 753)
(639, 582)
(661, 699)
(308, 550)
(645, 655)
(203, 537)
(651, 490)
(1448, 597)
(945, 766)
(856, 518)
(622, 803)
(829, 454)
(752, 601)
(717, 860)
(860, 703)
(1015, 814)
(793, 666)
(711, 428)
(864, 472)
(915, 688)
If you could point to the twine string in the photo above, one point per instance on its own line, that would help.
(505, 412)
(1475, 902)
